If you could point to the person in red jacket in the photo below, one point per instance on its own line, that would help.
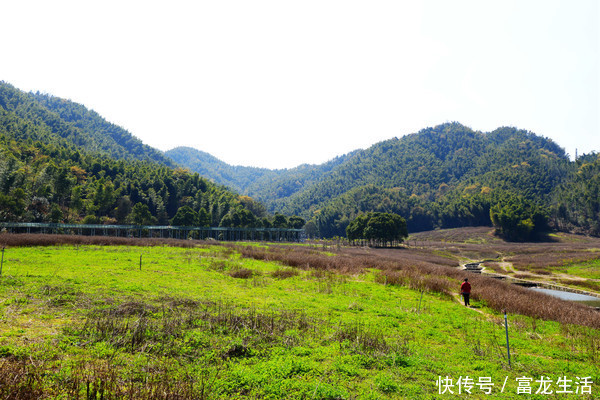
(465, 291)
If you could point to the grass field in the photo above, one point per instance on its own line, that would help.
(211, 321)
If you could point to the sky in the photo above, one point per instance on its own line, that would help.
(280, 83)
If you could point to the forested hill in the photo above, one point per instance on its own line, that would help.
(207, 165)
(436, 160)
(444, 176)
(60, 121)
(265, 185)
(60, 162)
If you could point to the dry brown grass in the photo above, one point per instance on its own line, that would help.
(553, 256)
(477, 243)
(24, 239)
(22, 379)
(541, 271)
(494, 266)
(284, 273)
(480, 234)
(242, 273)
(420, 271)
(586, 284)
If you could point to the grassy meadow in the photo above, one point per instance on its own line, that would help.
(198, 320)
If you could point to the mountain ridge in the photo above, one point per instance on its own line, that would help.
(436, 169)
(68, 123)
(363, 165)
(62, 161)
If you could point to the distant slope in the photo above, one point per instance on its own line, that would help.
(60, 162)
(236, 177)
(446, 176)
(442, 176)
(266, 185)
(446, 155)
(56, 118)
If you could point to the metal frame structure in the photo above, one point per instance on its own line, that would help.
(151, 231)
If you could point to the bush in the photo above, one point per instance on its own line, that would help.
(242, 273)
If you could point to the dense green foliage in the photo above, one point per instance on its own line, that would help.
(577, 202)
(60, 162)
(378, 228)
(517, 219)
(446, 176)
(42, 183)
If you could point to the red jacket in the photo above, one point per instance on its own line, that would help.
(465, 287)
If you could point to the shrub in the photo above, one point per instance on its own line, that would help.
(242, 273)
(284, 273)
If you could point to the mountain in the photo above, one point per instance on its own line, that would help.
(444, 176)
(265, 185)
(60, 121)
(236, 177)
(60, 162)
(446, 156)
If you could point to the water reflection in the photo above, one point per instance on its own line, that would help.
(579, 298)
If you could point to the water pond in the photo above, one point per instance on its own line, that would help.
(579, 298)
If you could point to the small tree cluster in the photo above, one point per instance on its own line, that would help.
(235, 218)
(517, 219)
(379, 229)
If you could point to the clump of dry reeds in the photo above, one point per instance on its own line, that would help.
(20, 380)
(24, 239)
(242, 273)
(414, 279)
(135, 325)
(284, 273)
(24, 379)
(362, 339)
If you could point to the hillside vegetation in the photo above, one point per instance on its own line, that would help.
(265, 185)
(441, 177)
(60, 162)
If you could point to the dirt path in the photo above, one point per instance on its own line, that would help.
(459, 300)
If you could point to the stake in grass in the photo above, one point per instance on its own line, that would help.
(507, 345)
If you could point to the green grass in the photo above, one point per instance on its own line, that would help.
(81, 320)
(589, 269)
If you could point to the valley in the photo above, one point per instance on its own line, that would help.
(88, 319)
(101, 317)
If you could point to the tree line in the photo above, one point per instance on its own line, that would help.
(62, 163)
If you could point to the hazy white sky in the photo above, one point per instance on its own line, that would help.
(279, 83)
